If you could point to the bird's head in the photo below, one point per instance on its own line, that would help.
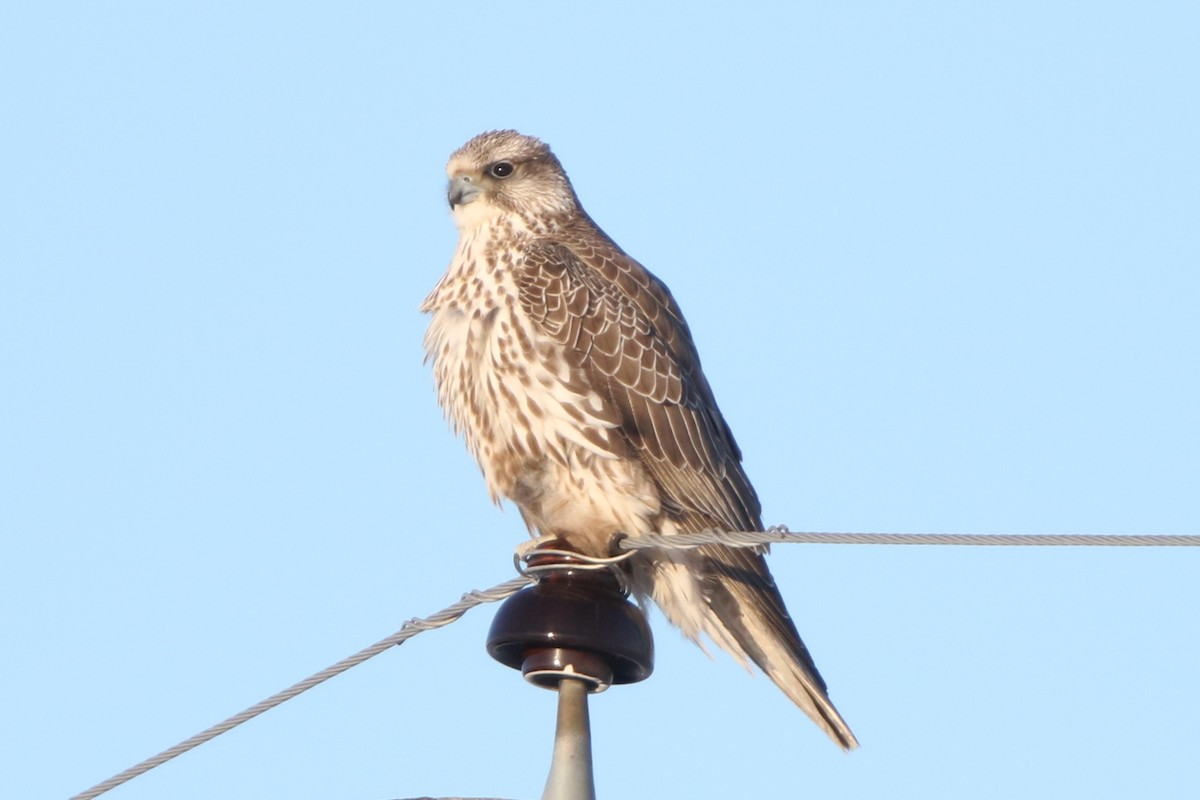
(504, 172)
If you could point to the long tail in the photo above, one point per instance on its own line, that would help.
(729, 595)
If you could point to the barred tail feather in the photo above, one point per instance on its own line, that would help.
(728, 595)
(774, 645)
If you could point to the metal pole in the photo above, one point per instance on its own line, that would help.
(571, 766)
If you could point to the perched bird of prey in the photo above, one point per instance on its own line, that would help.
(569, 370)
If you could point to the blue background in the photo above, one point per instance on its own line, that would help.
(940, 260)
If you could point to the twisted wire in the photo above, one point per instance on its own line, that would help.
(778, 534)
(407, 631)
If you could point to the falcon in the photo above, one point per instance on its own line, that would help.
(570, 372)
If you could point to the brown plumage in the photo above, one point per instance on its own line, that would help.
(572, 375)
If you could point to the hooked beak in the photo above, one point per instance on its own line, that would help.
(462, 191)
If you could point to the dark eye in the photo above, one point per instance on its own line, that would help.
(501, 169)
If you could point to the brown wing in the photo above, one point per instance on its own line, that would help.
(621, 327)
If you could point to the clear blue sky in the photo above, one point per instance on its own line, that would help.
(940, 259)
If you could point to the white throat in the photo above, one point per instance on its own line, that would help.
(474, 215)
